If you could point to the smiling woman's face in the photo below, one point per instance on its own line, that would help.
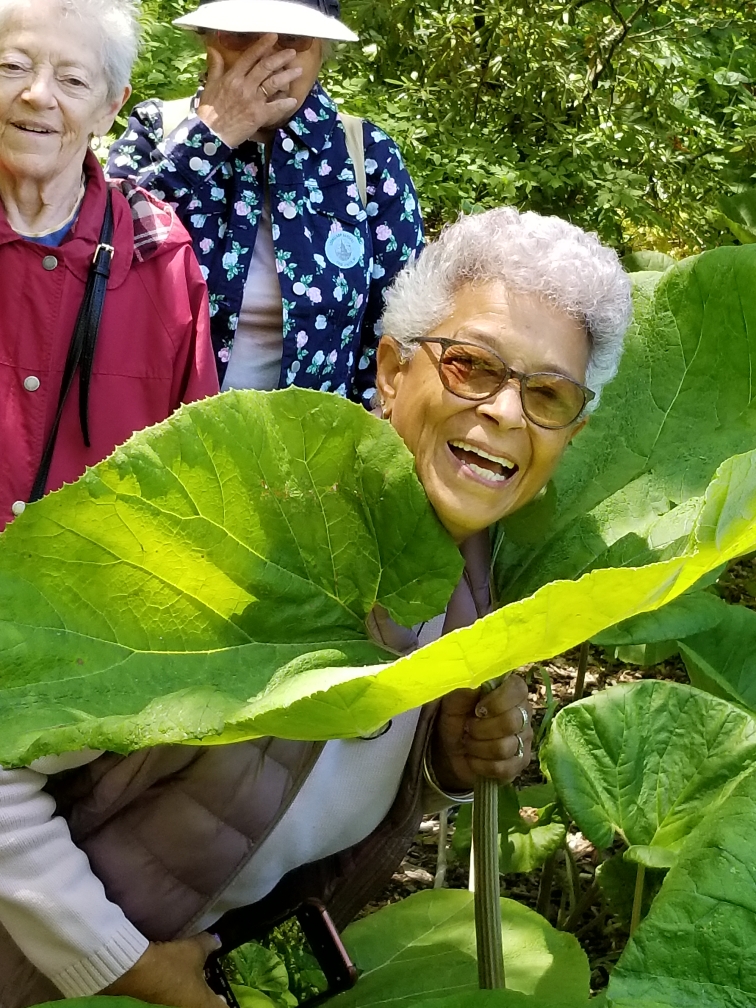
(448, 434)
(53, 93)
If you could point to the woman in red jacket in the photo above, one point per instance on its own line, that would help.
(92, 346)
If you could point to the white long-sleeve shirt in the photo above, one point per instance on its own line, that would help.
(56, 910)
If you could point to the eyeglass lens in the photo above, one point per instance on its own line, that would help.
(549, 400)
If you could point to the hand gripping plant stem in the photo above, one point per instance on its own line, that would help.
(485, 831)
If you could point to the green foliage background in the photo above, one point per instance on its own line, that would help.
(630, 118)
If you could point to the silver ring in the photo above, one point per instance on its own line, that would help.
(525, 718)
(520, 747)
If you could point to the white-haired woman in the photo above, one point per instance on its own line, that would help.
(499, 340)
(104, 327)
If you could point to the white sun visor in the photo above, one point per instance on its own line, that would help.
(279, 16)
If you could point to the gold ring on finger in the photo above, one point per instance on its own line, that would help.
(520, 747)
(525, 718)
(262, 88)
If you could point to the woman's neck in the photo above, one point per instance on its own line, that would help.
(37, 206)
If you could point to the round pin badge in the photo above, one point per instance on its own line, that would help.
(343, 249)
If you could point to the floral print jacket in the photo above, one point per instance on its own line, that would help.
(335, 258)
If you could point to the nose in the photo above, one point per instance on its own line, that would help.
(505, 408)
(39, 91)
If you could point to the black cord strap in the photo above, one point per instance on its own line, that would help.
(82, 348)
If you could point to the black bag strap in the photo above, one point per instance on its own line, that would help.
(82, 348)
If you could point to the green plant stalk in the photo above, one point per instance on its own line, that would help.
(551, 706)
(442, 860)
(487, 905)
(582, 669)
(485, 851)
(640, 879)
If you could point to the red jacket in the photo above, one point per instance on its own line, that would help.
(153, 350)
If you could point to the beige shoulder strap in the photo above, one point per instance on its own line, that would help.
(174, 113)
(356, 148)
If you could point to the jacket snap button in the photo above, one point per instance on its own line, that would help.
(18, 507)
(49, 263)
(31, 384)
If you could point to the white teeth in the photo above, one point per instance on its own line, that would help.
(492, 477)
(479, 451)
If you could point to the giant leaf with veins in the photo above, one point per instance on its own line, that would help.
(211, 581)
(628, 488)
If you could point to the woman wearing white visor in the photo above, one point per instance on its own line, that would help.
(300, 217)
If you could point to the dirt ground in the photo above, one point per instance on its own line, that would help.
(601, 934)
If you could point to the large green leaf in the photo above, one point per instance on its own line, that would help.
(646, 761)
(723, 659)
(683, 401)
(697, 947)
(64, 689)
(243, 540)
(424, 946)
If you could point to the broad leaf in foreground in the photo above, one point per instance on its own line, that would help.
(647, 761)
(424, 947)
(683, 402)
(697, 947)
(64, 688)
(243, 540)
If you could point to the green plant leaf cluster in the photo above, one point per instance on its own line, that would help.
(671, 771)
(627, 117)
(697, 947)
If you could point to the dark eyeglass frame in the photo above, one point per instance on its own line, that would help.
(509, 373)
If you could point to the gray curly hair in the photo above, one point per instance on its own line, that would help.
(530, 254)
(118, 26)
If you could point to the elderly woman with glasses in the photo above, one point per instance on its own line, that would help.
(498, 342)
(301, 216)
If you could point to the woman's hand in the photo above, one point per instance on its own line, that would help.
(477, 735)
(251, 95)
(171, 973)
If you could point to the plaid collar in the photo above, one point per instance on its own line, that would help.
(152, 220)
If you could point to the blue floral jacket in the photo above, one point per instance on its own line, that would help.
(335, 258)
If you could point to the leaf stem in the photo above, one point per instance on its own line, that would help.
(546, 885)
(442, 860)
(577, 693)
(487, 901)
(640, 878)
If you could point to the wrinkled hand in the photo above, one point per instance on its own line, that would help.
(476, 735)
(233, 103)
(171, 973)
